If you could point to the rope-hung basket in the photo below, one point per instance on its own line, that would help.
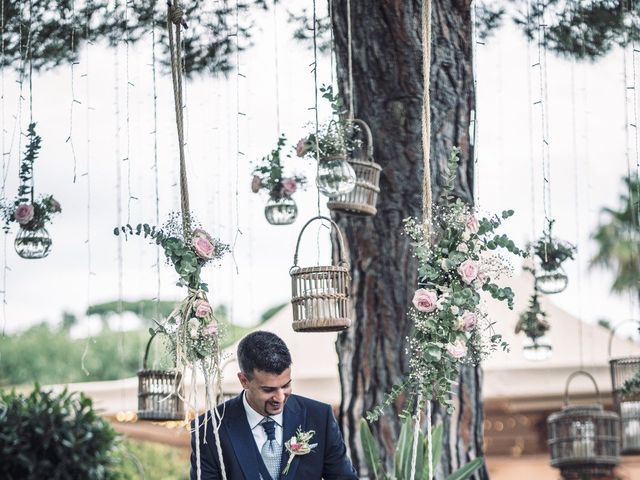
(583, 439)
(363, 198)
(160, 392)
(320, 295)
(626, 403)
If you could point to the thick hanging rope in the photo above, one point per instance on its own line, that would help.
(175, 19)
(350, 61)
(426, 210)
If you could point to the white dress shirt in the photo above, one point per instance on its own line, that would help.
(254, 419)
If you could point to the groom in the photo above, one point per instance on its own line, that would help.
(257, 424)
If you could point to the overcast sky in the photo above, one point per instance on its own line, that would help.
(586, 114)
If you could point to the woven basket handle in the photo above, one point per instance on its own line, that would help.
(367, 132)
(613, 331)
(340, 240)
(146, 350)
(571, 377)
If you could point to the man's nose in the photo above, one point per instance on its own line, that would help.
(279, 396)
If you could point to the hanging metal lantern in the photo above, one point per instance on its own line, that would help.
(335, 176)
(537, 349)
(625, 402)
(33, 244)
(583, 439)
(160, 392)
(281, 211)
(551, 281)
(363, 198)
(320, 295)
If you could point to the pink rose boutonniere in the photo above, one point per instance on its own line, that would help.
(298, 445)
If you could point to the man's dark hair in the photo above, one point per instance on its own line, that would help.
(263, 351)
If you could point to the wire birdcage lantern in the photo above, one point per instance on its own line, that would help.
(160, 392)
(320, 294)
(583, 439)
(626, 403)
(363, 198)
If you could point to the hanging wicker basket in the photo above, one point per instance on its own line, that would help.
(160, 392)
(363, 198)
(320, 295)
(627, 405)
(583, 439)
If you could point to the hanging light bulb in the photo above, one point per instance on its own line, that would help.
(335, 176)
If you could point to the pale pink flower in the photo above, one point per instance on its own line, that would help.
(471, 223)
(468, 270)
(457, 349)
(194, 326)
(482, 276)
(210, 330)
(24, 213)
(202, 308)
(203, 244)
(303, 146)
(256, 184)
(425, 300)
(468, 321)
(289, 186)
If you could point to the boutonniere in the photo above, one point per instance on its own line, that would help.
(298, 445)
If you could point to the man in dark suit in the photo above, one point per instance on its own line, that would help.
(257, 424)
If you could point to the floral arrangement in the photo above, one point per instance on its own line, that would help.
(188, 253)
(298, 445)
(268, 175)
(552, 252)
(29, 213)
(457, 262)
(533, 322)
(338, 137)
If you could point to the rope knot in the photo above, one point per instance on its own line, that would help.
(176, 14)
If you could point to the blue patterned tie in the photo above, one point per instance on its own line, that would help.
(271, 450)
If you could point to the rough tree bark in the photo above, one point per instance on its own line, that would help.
(387, 72)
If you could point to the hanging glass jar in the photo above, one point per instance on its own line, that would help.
(335, 176)
(33, 244)
(551, 281)
(537, 349)
(281, 211)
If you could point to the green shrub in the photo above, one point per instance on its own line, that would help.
(54, 436)
(151, 461)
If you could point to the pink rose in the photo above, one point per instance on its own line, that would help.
(468, 270)
(210, 330)
(482, 276)
(24, 213)
(471, 223)
(289, 186)
(256, 184)
(457, 349)
(202, 308)
(203, 244)
(295, 446)
(469, 320)
(425, 300)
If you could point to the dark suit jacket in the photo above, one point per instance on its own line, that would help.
(328, 460)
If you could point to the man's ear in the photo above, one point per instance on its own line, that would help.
(244, 381)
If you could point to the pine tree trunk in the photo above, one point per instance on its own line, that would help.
(387, 72)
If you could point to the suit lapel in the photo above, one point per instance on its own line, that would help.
(241, 438)
(294, 416)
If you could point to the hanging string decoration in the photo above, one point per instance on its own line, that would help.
(329, 145)
(534, 324)
(268, 176)
(32, 215)
(550, 253)
(583, 439)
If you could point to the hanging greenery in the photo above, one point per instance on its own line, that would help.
(455, 264)
(550, 251)
(533, 322)
(268, 175)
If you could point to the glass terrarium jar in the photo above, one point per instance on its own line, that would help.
(335, 176)
(537, 349)
(281, 211)
(33, 243)
(551, 281)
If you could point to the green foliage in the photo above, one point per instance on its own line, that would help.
(631, 386)
(617, 238)
(269, 175)
(155, 461)
(551, 252)
(49, 435)
(403, 456)
(270, 312)
(533, 322)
